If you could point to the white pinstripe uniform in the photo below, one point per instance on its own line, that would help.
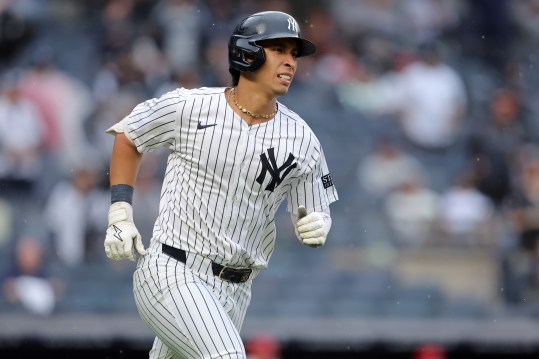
(223, 184)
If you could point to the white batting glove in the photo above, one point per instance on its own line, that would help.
(313, 228)
(122, 238)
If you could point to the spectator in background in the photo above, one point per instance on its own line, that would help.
(28, 283)
(223, 15)
(490, 169)
(189, 79)
(107, 112)
(64, 103)
(68, 215)
(22, 137)
(357, 18)
(487, 33)
(492, 142)
(387, 167)
(272, 5)
(16, 32)
(425, 19)
(466, 214)
(430, 104)
(527, 18)
(338, 65)
(335, 60)
(506, 128)
(118, 74)
(523, 208)
(412, 211)
(431, 100)
(150, 62)
(116, 27)
(182, 22)
(215, 71)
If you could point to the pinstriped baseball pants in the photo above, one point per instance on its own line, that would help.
(193, 314)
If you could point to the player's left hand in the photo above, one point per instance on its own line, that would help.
(311, 228)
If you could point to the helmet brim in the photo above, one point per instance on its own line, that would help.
(307, 47)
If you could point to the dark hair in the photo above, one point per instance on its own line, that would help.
(235, 76)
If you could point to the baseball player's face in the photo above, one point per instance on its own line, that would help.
(280, 66)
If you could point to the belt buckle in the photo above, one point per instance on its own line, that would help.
(221, 273)
(245, 273)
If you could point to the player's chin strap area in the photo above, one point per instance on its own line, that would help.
(230, 274)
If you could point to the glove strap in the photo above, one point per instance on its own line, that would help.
(120, 211)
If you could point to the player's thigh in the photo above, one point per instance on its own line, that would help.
(171, 341)
(190, 321)
(202, 318)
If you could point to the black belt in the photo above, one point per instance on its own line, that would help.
(230, 274)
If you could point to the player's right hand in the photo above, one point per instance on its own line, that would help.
(122, 237)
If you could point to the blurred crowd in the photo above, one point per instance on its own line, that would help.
(427, 111)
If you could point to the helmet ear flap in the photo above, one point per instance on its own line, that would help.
(244, 55)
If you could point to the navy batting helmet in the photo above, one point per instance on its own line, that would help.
(243, 44)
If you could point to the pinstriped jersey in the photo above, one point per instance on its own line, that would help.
(225, 179)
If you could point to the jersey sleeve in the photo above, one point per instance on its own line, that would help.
(152, 124)
(314, 190)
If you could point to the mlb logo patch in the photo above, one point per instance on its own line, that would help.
(326, 181)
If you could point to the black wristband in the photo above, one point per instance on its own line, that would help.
(121, 193)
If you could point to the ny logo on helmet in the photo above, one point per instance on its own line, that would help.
(292, 24)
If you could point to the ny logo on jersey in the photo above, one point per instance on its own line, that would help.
(293, 25)
(269, 165)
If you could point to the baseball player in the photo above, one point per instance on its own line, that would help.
(236, 154)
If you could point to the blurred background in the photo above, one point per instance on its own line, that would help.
(428, 112)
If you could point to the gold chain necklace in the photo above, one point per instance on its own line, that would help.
(246, 111)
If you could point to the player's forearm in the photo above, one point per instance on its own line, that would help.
(125, 162)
